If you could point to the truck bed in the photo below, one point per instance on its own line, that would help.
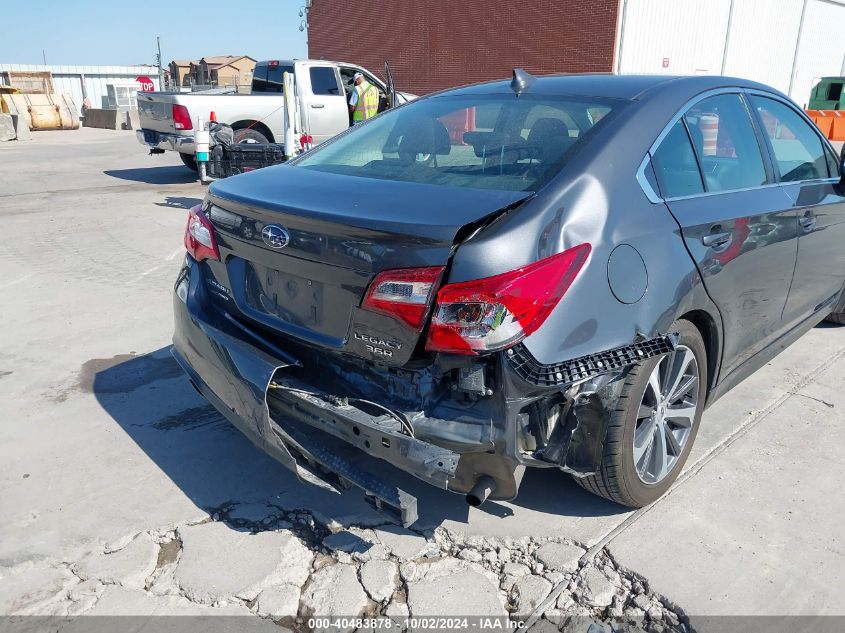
(155, 110)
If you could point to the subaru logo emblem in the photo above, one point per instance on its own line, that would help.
(275, 236)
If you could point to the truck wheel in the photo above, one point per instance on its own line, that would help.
(651, 432)
(247, 135)
(189, 160)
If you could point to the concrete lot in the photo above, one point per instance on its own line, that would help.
(122, 491)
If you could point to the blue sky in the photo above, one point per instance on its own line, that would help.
(104, 33)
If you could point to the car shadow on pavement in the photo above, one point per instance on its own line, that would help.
(215, 466)
(164, 175)
(179, 202)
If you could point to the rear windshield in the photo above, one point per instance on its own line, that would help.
(480, 141)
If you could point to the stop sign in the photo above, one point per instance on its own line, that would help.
(146, 83)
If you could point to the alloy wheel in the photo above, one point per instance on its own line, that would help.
(666, 415)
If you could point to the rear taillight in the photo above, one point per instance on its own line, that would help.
(181, 118)
(485, 315)
(403, 293)
(199, 236)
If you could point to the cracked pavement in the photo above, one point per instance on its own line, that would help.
(123, 492)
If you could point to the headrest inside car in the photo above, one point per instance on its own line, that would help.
(423, 136)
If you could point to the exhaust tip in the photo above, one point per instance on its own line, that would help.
(482, 489)
(474, 501)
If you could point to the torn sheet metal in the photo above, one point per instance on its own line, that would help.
(591, 411)
(576, 442)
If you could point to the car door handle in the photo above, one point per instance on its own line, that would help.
(318, 105)
(714, 240)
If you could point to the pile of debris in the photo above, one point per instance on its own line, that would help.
(286, 567)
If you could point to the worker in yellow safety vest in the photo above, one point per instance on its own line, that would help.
(363, 102)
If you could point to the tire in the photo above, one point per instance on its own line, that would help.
(247, 135)
(836, 317)
(622, 479)
(838, 314)
(190, 161)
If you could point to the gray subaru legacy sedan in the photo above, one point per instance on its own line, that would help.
(551, 272)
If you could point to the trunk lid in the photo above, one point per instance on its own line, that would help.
(155, 111)
(338, 233)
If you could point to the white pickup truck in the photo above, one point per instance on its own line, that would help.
(168, 119)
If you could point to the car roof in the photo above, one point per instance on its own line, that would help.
(612, 86)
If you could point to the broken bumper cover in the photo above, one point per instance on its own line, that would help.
(235, 376)
(321, 437)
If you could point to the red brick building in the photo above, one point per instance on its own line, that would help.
(436, 44)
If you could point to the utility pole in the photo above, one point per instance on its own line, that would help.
(727, 38)
(44, 56)
(797, 50)
(160, 71)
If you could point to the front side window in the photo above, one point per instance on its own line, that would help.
(723, 136)
(481, 141)
(675, 165)
(798, 150)
(324, 81)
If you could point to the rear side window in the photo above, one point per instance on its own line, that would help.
(267, 78)
(798, 150)
(324, 81)
(259, 79)
(723, 136)
(675, 165)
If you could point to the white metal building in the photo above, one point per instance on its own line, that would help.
(788, 44)
(88, 81)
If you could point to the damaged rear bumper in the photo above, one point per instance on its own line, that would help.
(235, 376)
(537, 415)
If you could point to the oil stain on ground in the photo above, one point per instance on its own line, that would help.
(126, 372)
